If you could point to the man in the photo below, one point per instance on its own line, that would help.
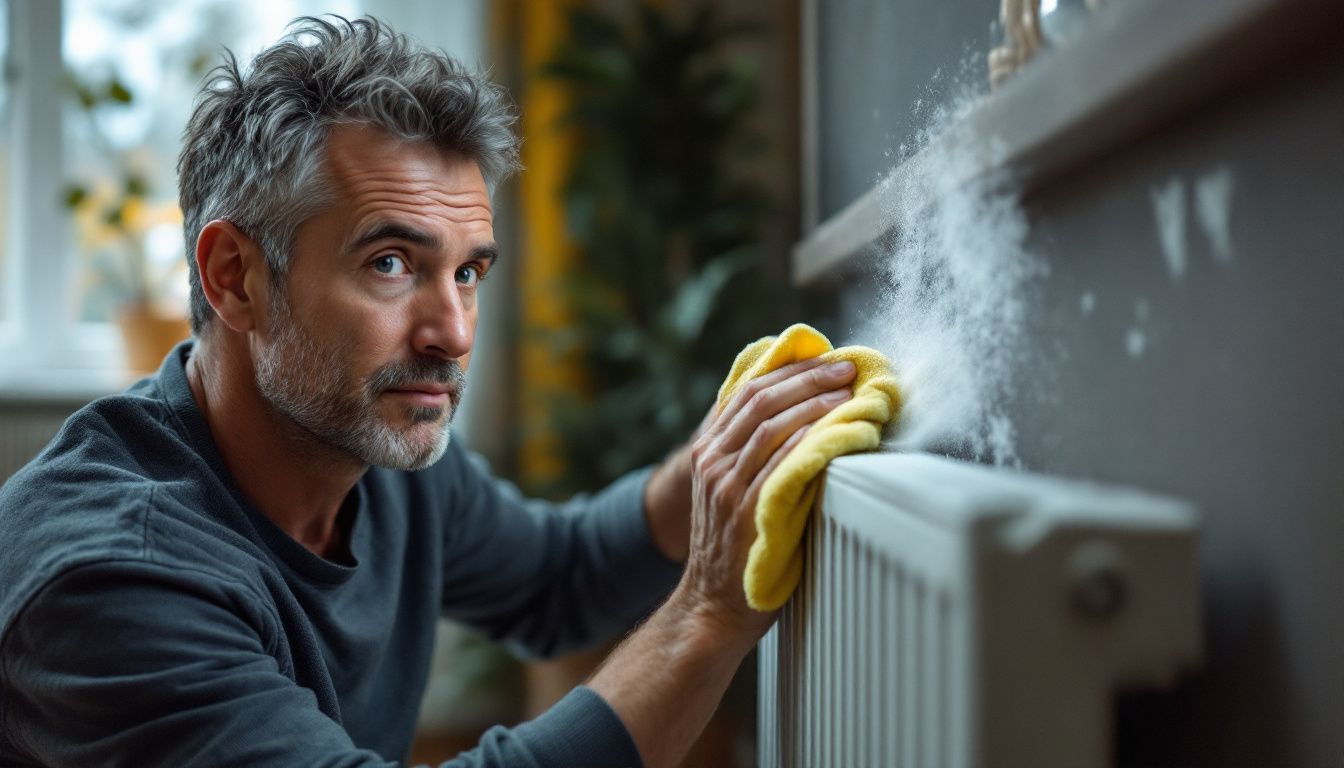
(241, 560)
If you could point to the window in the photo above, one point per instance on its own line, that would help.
(100, 90)
(133, 69)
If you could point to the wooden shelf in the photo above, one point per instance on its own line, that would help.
(1141, 63)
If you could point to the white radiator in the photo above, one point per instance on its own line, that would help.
(960, 616)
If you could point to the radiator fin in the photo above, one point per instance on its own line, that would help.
(862, 620)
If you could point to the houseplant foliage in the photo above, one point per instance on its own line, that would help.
(114, 213)
(670, 284)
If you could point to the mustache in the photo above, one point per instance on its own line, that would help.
(417, 371)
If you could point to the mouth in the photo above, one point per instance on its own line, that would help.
(425, 395)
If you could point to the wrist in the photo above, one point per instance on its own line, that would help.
(667, 505)
(666, 678)
(707, 627)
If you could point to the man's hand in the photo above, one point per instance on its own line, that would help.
(737, 451)
(666, 679)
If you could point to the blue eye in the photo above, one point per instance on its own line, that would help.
(469, 275)
(389, 264)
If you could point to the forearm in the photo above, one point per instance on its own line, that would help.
(665, 681)
(550, 578)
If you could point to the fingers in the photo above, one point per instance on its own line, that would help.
(776, 430)
(739, 449)
(750, 388)
(754, 490)
(771, 399)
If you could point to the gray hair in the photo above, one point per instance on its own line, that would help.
(253, 151)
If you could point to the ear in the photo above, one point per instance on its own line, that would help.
(233, 275)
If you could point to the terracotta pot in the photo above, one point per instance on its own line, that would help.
(149, 335)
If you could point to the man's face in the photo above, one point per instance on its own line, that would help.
(368, 347)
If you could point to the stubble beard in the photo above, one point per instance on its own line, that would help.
(315, 389)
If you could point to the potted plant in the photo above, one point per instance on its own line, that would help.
(116, 221)
(668, 226)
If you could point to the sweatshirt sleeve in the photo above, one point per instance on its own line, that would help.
(135, 664)
(548, 578)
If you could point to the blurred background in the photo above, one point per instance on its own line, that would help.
(645, 242)
(1131, 272)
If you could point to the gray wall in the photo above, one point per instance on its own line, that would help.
(1235, 401)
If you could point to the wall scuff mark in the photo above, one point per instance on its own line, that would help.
(1169, 209)
(1213, 207)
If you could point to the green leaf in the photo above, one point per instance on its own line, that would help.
(200, 62)
(693, 303)
(118, 92)
(85, 96)
(626, 344)
(75, 194)
(136, 185)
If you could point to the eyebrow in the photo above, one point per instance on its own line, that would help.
(489, 253)
(393, 231)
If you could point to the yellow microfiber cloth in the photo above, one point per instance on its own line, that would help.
(775, 563)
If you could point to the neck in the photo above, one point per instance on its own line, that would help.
(284, 471)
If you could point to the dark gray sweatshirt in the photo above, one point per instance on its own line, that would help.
(150, 616)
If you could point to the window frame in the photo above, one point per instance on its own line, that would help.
(44, 350)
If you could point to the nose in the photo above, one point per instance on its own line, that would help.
(445, 325)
